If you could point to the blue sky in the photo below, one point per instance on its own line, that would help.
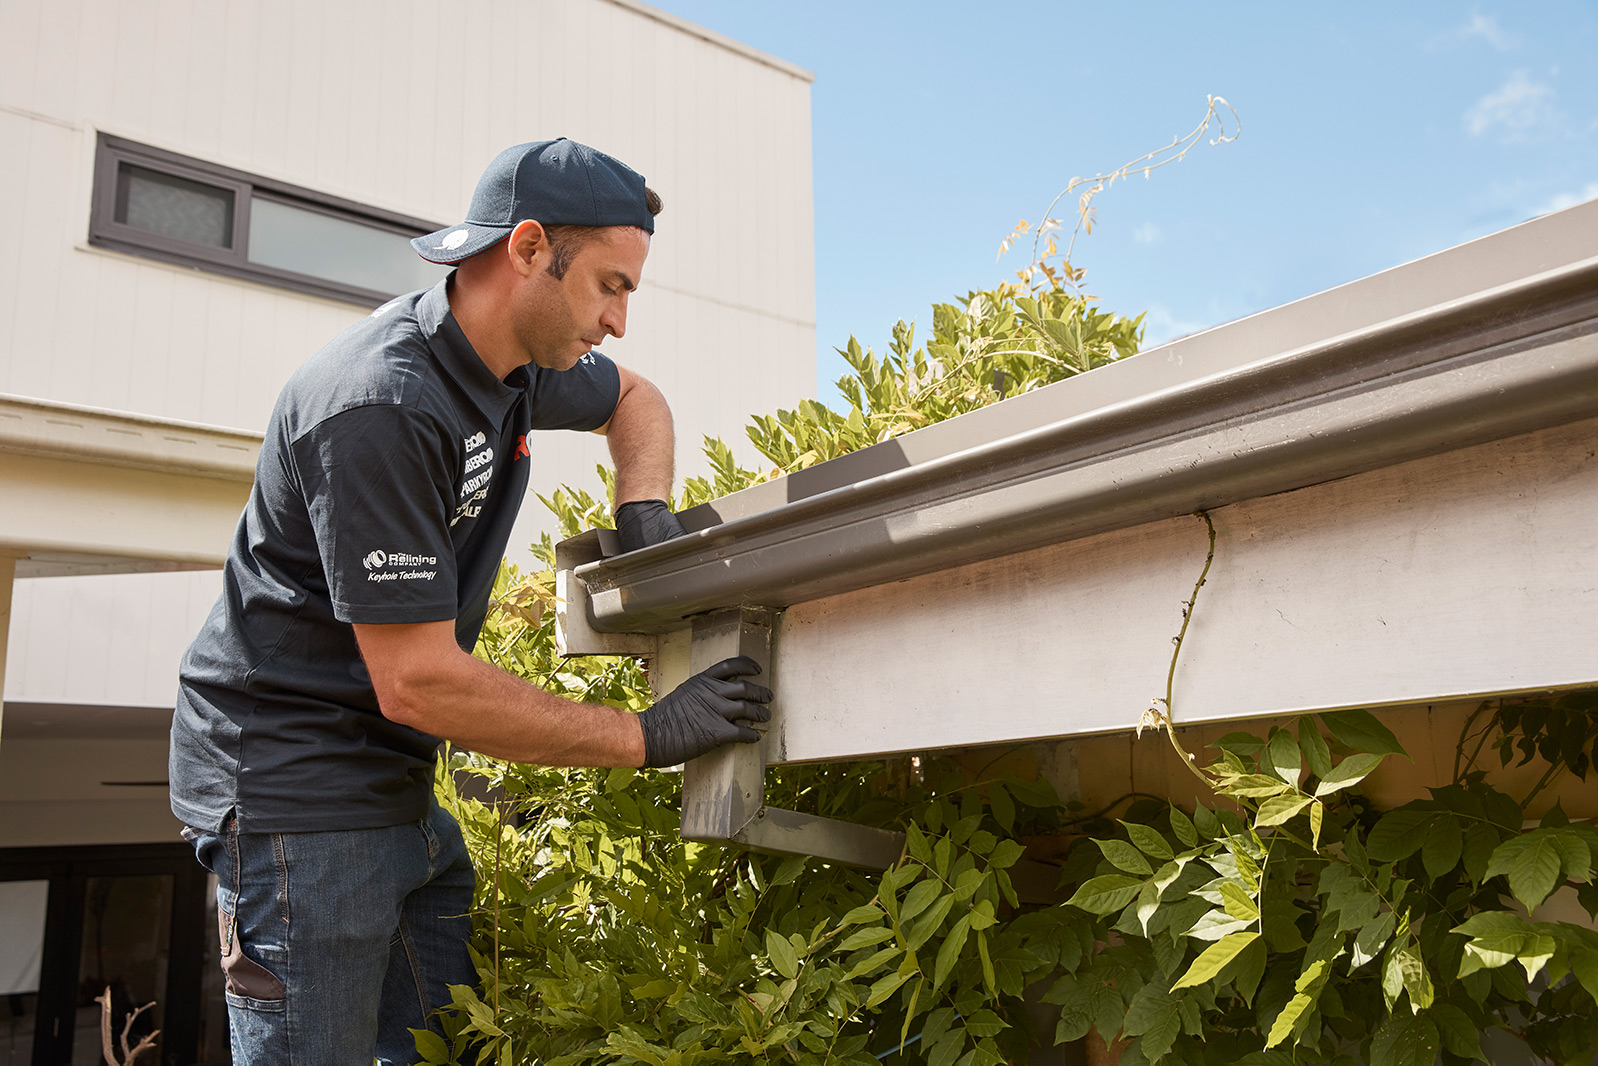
(1372, 134)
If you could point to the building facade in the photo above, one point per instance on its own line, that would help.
(201, 195)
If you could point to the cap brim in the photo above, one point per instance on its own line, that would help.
(454, 243)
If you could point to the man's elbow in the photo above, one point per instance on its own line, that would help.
(410, 697)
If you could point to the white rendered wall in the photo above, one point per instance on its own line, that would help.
(112, 639)
(398, 105)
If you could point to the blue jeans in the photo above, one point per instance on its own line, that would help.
(336, 944)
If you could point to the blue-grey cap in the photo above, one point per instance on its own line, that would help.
(557, 182)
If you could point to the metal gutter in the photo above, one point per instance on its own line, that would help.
(1515, 357)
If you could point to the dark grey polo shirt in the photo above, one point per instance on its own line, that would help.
(390, 475)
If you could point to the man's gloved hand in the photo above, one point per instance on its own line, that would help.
(703, 713)
(640, 523)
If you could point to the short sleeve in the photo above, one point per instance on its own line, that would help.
(378, 483)
(582, 398)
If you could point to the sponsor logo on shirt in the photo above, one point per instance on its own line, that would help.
(399, 566)
(521, 449)
(477, 472)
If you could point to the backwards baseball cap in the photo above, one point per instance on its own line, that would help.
(557, 182)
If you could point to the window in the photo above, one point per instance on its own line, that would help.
(170, 207)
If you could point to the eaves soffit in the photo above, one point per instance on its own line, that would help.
(100, 437)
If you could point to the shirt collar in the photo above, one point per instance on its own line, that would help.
(460, 360)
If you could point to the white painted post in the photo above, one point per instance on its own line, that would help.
(8, 573)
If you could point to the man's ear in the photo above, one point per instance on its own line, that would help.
(526, 246)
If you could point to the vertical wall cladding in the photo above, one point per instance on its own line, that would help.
(398, 104)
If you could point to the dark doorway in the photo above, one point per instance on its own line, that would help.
(131, 917)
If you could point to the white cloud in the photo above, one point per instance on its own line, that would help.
(1147, 233)
(1519, 109)
(1161, 326)
(1569, 199)
(1478, 27)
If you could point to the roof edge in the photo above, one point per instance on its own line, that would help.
(712, 37)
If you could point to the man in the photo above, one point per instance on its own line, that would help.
(312, 702)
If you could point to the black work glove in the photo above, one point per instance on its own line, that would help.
(640, 523)
(703, 713)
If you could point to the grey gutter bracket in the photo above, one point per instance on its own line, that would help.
(724, 791)
(574, 630)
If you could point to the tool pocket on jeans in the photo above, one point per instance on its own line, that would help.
(249, 984)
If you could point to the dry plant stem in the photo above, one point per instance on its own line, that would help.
(1147, 162)
(106, 1048)
(144, 1044)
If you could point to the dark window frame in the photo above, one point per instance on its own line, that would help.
(105, 232)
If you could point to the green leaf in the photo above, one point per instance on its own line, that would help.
(1399, 834)
(884, 987)
(1282, 1027)
(1405, 1040)
(1480, 840)
(1351, 771)
(1444, 842)
(1238, 903)
(1532, 863)
(1006, 854)
(1317, 818)
(1149, 840)
(1153, 1015)
(1216, 925)
(1107, 894)
(916, 841)
(1182, 827)
(864, 938)
(949, 951)
(1125, 856)
(783, 957)
(1361, 732)
(1459, 1034)
(947, 1049)
(988, 978)
(1279, 809)
(430, 1046)
(1254, 786)
(1281, 925)
(918, 898)
(1283, 753)
(1242, 743)
(1392, 977)
(1370, 940)
(1417, 982)
(929, 922)
(1250, 967)
(1317, 756)
(1217, 955)
(870, 912)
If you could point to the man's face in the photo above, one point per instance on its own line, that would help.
(557, 320)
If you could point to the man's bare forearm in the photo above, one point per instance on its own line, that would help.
(450, 694)
(641, 442)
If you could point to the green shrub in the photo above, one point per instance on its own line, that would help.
(1290, 922)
